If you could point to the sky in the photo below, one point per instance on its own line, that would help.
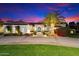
(35, 12)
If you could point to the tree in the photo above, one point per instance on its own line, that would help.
(72, 25)
(77, 25)
(53, 18)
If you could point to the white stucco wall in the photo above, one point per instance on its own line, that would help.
(38, 25)
(23, 29)
(29, 28)
(13, 29)
(1, 29)
(5, 29)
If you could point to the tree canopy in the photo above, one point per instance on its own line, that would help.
(53, 18)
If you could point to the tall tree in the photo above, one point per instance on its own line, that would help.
(77, 25)
(53, 18)
(72, 25)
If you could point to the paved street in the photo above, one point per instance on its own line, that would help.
(62, 41)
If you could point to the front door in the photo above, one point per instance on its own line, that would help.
(39, 32)
(39, 29)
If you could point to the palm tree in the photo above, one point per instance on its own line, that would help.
(53, 19)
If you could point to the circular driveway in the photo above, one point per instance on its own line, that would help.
(60, 41)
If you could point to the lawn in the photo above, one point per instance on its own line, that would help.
(37, 50)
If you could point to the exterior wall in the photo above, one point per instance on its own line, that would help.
(29, 28)
(46, 28)
(13, 29)
(25, 28)
(37, 26)
(5, 29)
(63, 25)
(1, 29)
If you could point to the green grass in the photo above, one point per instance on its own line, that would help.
(37, 50)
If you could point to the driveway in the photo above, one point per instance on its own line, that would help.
(60, 41)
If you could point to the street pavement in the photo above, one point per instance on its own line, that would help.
(59, 41)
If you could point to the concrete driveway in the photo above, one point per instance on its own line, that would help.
(60, 41)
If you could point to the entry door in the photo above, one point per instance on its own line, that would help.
(38, 29)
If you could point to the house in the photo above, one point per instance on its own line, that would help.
(20, 27)
(24, 28)
(1, 27)
(15, 27)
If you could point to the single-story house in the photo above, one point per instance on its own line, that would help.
(20, 27)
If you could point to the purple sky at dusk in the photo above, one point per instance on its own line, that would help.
(35, 12)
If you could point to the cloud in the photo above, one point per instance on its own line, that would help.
(72, 18)
(27, 19)
(52, 8)
(33, 19)
(7, 19)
